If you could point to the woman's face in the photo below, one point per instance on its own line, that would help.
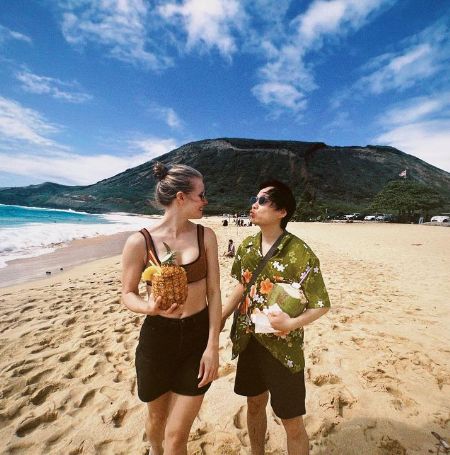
(196, 199)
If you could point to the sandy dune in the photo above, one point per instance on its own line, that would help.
(378, 365)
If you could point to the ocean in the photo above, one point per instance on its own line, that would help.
(32, 231)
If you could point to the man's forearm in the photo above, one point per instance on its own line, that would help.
(308, 316)
(233, 301)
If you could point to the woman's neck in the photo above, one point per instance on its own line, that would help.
(174, 223)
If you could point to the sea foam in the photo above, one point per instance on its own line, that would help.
(34, 239)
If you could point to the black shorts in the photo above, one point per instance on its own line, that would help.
(258, 371)
(168, 355)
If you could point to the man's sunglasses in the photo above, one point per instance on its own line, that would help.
(261, 200)
(202, 196)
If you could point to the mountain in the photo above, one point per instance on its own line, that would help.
(338, 178)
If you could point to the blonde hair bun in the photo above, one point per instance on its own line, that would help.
(160, 170)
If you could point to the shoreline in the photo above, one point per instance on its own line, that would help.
(84, 250)
(75, 253)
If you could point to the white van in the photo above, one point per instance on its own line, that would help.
(440, 219)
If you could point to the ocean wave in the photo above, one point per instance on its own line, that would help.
(34, 239)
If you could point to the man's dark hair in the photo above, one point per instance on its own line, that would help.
(281, 197)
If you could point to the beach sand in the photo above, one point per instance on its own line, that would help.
(378, 364)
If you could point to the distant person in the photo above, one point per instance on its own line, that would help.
(273, 363)
(177, 356)
(225, 223)
(231, 251)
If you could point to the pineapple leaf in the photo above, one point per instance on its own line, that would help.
(169, 258)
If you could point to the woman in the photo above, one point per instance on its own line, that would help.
(177, 354)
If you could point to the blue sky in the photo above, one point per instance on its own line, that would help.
(89, 88)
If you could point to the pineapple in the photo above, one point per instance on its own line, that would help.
(169, 281)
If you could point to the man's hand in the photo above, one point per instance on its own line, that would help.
(281, 322)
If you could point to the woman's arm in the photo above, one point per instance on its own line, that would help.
(210, 360)
(133, 262)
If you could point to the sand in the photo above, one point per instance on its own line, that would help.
(64, 257)
(378, 364)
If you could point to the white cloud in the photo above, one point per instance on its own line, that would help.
(421, 56)
(67, 168)
(402, 70)
(333, 17)
(53, 87)
(208, 24)
(6, 33)
(427, 140)
(152, 146)
(420, 127)
(278, 95)
(419, 108)
(22, 126)
(26, 148)
(119, 25)
(322, 20)
(75, 169)
(168, 115)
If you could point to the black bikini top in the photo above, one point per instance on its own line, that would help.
(195, 270)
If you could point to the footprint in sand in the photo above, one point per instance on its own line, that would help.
(65, 357)
(86, 398)
(226, 369)
(314, 358)
(118, 416)
(31, 423)
(238, 419)
(340, 402)
(22, 371)
(27, 308)
(391, 446)
(41, 395)
(37, 377)
(322, 379)
(19, 448)
(15, 365)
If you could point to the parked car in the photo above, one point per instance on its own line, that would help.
(440, 219)
(370, 218)
(354, 216)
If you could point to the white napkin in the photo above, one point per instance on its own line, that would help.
(261, 321)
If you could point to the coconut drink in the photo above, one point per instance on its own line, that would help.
(289, 297)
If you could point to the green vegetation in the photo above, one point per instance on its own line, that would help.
(325, 180)
(407, 198)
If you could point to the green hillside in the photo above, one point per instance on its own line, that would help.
(339, 178)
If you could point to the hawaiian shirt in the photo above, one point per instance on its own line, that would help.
(293, 262)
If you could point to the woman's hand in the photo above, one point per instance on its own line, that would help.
(281, 322)
(209, 364)
(153, 307)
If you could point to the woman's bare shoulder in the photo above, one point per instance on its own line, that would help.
(210, 235)
(135, 240)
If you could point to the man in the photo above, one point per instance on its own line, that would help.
(273, 363)
(231, 251)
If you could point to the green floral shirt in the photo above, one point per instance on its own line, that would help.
(293, 262)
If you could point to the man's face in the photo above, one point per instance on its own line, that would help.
(263, 212)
